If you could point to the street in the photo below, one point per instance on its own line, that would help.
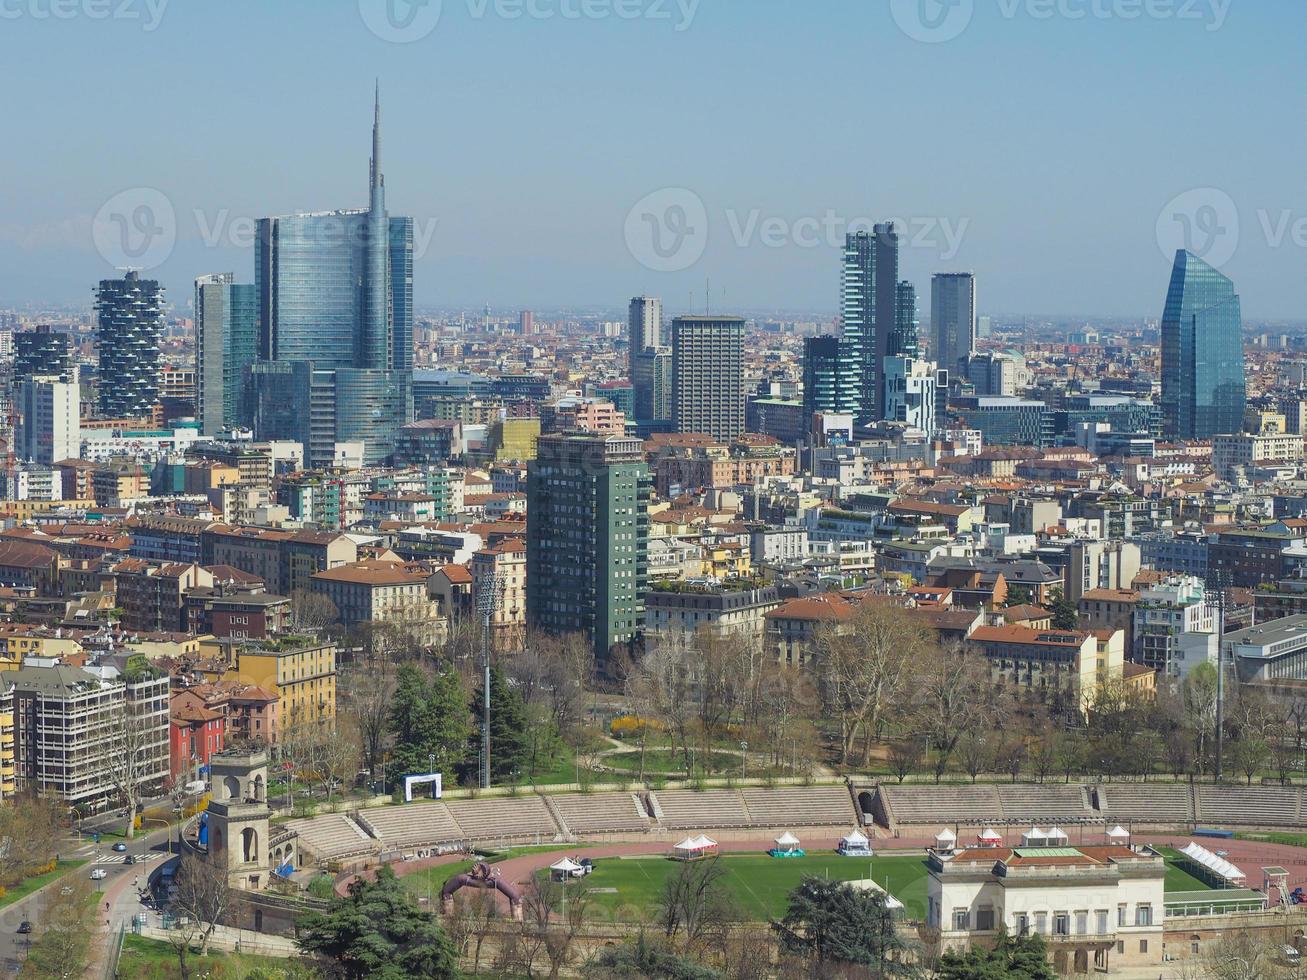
(118, 888)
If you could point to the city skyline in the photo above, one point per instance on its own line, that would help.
(1008, 213)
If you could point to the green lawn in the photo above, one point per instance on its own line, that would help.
(429, 881)
(154, 959)
(758, 884)
(670, 762)
(25, 888)
(1292, 840)
(1177, 878)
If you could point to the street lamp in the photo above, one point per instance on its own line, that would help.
(744, 757)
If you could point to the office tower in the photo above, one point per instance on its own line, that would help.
(129, 317)
(1203, 386)
(44, 351)
(953, 319)
(226, 330)
(645, 325)
(526, 323)
(823, 360)
(708, 375)
(984, 326)
(911, 392)
(50, 431)
(293, 401)
(587, 542)
(904, 341)
(651, 384)
(872, 331)
(336, 289)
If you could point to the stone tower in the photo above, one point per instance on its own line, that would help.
(238, 817)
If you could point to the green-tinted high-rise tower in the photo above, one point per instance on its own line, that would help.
(1203, 384)
(587, 542)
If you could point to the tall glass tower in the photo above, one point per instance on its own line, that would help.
(869, 302)
(226, 341)
(129, 326)
(335, 288)
(1203, 384)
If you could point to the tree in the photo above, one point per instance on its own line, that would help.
(199, 904)
(905, 756)
(542, 928)
(864, 668)
(1064, 613)
(510, 740)
(831, 922)
(377, 932)
(134, 758)
(29, 828)
(975, 752)
(429, 722)
(955, 698)
(63, 947)
(645, 959)
(312, 612)
(694, 900)
(1025, 958)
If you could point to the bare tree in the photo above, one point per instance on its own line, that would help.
(29, 828)
(366, 699)
(201, 901)
(955, 698)
(864, 667)
(905, 756)
(553, 919)
(312, 611)
(132, 760)
(693, 902)
(664, 681)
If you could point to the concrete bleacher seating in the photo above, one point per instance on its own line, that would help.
(684, 809)
(600, 813)
(333, 836)
(800, 806)
(1044, 802)
(1258, 806)
(944, 805)
(414, 825)
(1157, 803)
(503, 817)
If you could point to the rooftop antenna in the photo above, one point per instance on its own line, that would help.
(707, 295)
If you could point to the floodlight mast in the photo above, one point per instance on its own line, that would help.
(489, 598)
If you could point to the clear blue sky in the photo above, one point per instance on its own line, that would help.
(1054, 143)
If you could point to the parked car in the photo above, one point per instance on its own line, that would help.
(120, 847)
(99, 874)
(587, 866)
(24, 927)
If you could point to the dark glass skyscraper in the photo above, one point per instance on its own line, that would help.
(708, 375)
(336, 289)
(129, 325)
(43, 351)
(1203, 384)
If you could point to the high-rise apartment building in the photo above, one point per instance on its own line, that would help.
(645, 324)
(953, 320)
(708, 375)
(129, 319)
(50, 430)
(588, 539)
(226, 328)
(911, 392)
(823, 361)
(44, 351)
(650, 361)
(335, 289)
(1203, 384)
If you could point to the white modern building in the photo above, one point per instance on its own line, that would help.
(1175, 627)
(911, 390)
(51, 428)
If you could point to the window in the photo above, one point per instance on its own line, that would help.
(1082, 923)
(961, 919)
(1061, 924)
(1120, 947)
(1143, 945)
(1120, 915)
(1144, 915)
(1041, 923)
(985, 918)
(1101, 915)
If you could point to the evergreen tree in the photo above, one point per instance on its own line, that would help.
(830, 922)
(1025, 958)
(1065, 614)
(429, 720)
(377, 932)
(510, 740)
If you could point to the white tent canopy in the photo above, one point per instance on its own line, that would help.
(1057, 833)
(567, 865)
(787, 840)
(699, 843)
(1118, 833)
(946, 834)
(989, 833)
(855, 838)
(1217, 865)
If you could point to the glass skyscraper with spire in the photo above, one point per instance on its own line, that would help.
(1203, 382)
(335, 289)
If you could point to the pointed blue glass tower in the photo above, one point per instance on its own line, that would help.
(1203, 383)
